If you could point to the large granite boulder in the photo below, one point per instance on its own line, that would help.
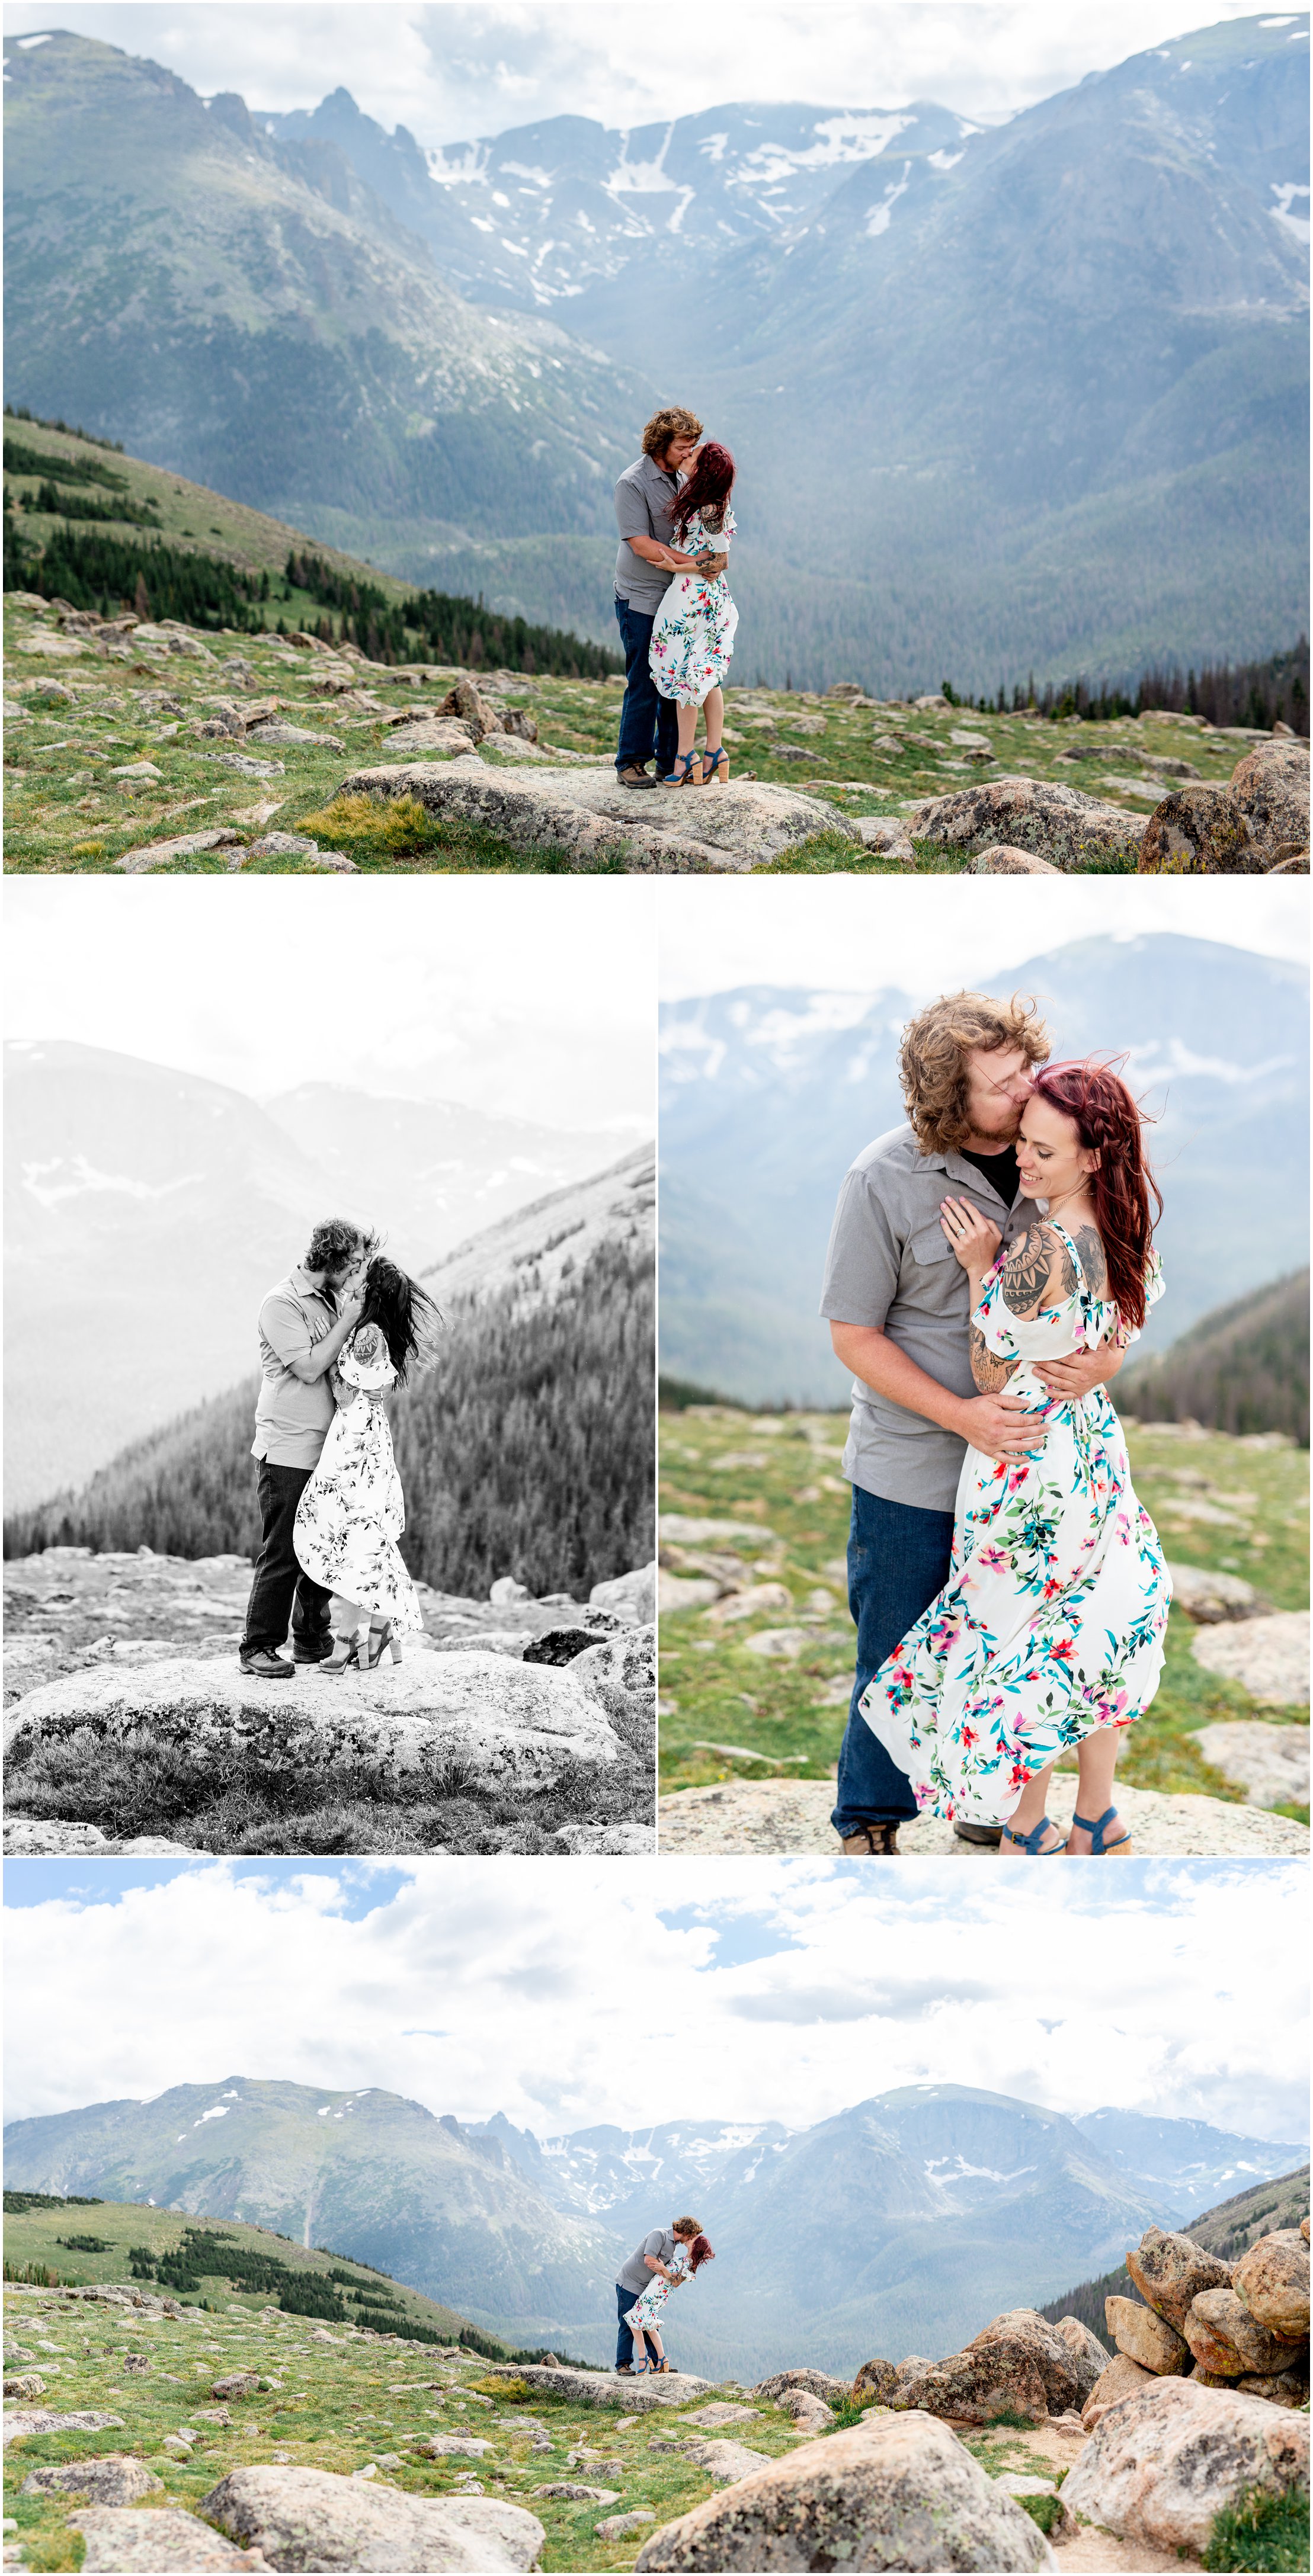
(712, 831)
(877, 2379)
(1169, 2270)
(1062, 824)
(1225, 2338)
(395, 1732)
(1090, 2358)
(1271, 786)
(1272, 2279)
(1160, 2466)
(897, 2492)
(604, 2387)
(1122, 2378)
(1018, 2364)
(1148, 2338)
(815, 2383)
(1256, 822)
(120, 2541)
(113, 2478)
(310, 2518)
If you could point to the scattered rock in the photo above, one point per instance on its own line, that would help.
(1269, 1656)
(1210, 1598)
(25, 2383)
(1283, 2388)
(169, 2543)
(42, 2419)
(897, 2492)
(1164, 2462)
(605, 2388)
(1018, 2363)
(618, 2526)
(677, 1593)
(1200, 831)
(1003, 861)
(292, 845)
(1270, 1763)
(184, 845)
(564, 2492)
(1147, 2338)
(728, 830)
(629, 1596)
(881, 2377)
(618, 1675)
(1169, 2271)
(402, 1724)
(726, 2462)
(239, 2383)
(311, 2518)
(1273, 2280)
(817, 2383)
(1270, 784)
(810, 2414)
(712, 2418)
(114, 2478)
(1058, 823)
(279, 730)
(609, 1842)
(888, 834)
(452, 2446)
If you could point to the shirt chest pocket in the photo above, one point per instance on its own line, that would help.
(932, 1272)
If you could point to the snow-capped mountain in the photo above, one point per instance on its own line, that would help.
(1197, 2164)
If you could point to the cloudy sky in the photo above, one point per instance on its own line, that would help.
(862, 934)
(527, 996)
(448, 71)
(569, 1994)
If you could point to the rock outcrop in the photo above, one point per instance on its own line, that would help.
(1257, 823)
(311, 2518)
(1169, 2270)
(794, 1816)
(1273, 2280)
(1089, 2357)
(1199, 2319)
(706, 831)
(897, 2492)
(119, 2541)
(1071, 830)
(1147, 2338)
(1167, 2459)
(604, 2388)
(1019, 2364)
(114, 2478)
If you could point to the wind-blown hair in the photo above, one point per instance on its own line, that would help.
(336, 1243)
(1109, 1122)
(405, 1314)
(700, 2252)
(707, 489)
(673, 421)
(932, 1060)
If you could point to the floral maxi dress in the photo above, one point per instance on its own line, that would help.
(1053, 1618)
(647, 2307)
(352, 1512)
(693, 636)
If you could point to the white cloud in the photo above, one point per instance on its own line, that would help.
(566, 2000)
(448, 71)
(527, 996)
(864, 934)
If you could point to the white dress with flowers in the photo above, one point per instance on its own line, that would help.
(693, 635)
(352, 1512)
(647, 2307)
(1052, 1622)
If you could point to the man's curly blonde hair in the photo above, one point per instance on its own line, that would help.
(673, 422)
(932, 1060)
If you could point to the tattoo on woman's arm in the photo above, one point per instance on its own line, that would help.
(1092, 1262)
(1033, 1266)
(991, 1373)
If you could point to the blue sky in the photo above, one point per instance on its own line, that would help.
(448, 71)
(566, 1995)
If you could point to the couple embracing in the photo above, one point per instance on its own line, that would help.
(989, 1265)
(336, 1336)
(676, 618)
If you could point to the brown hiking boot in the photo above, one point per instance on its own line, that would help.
(988, 1836)
(879, 1842)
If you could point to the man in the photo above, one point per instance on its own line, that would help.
(645, 566)
(304, 1322)
(655, 2254)
(899, 1307)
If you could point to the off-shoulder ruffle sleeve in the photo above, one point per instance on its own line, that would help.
(364, 1362)
(1155, 1286)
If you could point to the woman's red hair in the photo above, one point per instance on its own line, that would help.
(699, 2252)
(708, 487)
(1108, 1122)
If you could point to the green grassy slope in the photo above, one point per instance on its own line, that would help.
(1243, 1368)
(727, 1712)
(1226, 2230)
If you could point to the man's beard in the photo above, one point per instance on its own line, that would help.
(1002, 1136)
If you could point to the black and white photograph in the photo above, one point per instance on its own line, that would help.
(329, 1371)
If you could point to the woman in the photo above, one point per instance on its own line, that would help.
(1049, 1634)
(643, 2318)
(352, 1514)
(693, 636)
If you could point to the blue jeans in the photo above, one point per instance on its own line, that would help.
(898, 1559)
(647, 720)
(624, 2342)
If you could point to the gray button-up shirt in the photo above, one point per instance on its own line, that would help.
(644, 497)
(890, 1265)
(292, 1414)
(634, 2275)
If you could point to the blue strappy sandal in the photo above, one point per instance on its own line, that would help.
(1098, 1847)
(1031, 1842)
(711, 761)
(683, 760)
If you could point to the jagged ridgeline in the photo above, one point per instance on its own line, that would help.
(527, 1447)
(111, 537)
(1229, 2230)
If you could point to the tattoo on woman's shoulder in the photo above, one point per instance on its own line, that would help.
(1043, 1259)
(1092, 1262)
